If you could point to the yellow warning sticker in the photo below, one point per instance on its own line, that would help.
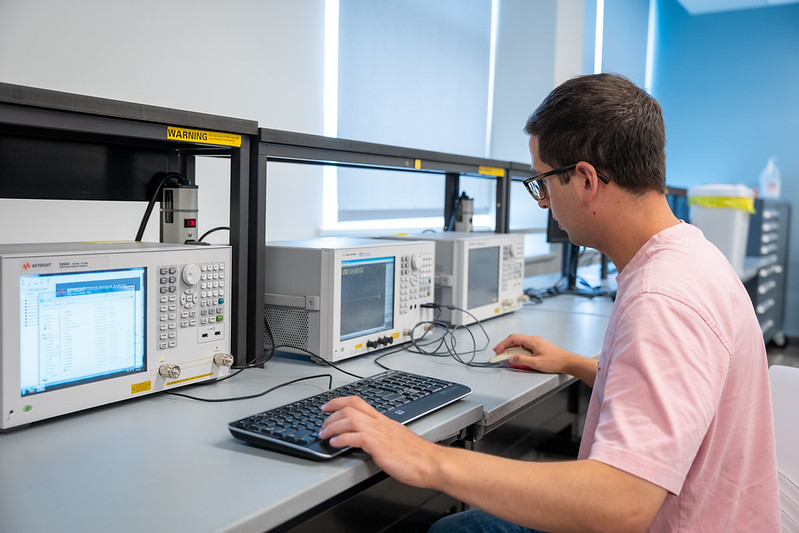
(144, 386)
(491, 171)
(202, 137)
(184, 380)
(728, 202)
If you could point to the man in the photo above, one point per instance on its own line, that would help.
(678, 434)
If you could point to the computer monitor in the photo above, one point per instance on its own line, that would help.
(677, 198)
(571, 252)
(554, 232)
(569, 259)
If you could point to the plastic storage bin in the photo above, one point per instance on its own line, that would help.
(722, 213)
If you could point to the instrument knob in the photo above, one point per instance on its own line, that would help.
(191, 274)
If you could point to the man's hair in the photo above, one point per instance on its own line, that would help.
(605, 120)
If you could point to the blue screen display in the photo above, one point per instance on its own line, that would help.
(81, 326)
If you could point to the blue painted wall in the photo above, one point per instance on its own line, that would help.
(729, 87)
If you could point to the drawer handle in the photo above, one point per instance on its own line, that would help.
(767, 286)
(769, 270)
(765, 306)
(769, 237)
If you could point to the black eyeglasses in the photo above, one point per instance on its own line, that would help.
(535, 185)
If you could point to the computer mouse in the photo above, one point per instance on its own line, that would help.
(504, 356)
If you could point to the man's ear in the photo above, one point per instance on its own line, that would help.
(586, 173)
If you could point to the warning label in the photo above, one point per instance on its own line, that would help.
(491, 171)
(202, 137)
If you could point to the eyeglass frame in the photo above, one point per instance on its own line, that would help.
(538, 192)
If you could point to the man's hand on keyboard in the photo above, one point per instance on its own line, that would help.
(396, 449)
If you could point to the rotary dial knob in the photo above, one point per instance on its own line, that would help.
(191, 274)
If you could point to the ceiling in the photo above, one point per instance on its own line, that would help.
(699, 7)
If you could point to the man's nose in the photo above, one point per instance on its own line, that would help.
(544, 204)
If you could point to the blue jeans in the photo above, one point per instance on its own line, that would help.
(476, 521)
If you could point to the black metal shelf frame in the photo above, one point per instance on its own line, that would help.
(56, 145)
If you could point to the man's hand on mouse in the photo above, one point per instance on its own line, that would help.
(544, 355)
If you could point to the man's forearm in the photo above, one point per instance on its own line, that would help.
(567, 496)
(583, 368)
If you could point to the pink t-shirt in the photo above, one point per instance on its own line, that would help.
(681, 396)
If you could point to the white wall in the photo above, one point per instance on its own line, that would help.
(524, 70)
(248, 59)
(411, 73)
(540, 44)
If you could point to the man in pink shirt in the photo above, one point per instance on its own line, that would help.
(678, 434)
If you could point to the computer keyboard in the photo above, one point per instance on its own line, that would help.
(293, 428)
